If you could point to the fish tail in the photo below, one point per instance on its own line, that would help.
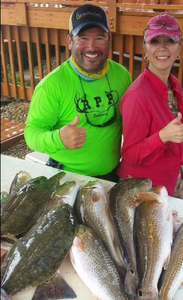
(148, 196)
(53, 289)
(4, 296)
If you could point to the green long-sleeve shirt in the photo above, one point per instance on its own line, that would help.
(59, 97)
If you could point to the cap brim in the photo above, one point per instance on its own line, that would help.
(170, 34)
(76, 30)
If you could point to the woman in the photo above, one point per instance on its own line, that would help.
(152, 110)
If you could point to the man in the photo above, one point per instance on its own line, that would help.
(74, 113)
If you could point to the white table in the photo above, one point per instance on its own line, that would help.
(10, 166)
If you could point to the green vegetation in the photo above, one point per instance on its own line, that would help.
(18, 82)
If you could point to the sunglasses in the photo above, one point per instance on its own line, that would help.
(161, 23)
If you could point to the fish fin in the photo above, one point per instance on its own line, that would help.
(10, 238)
(55, 288)
(95, 196)
(166, 263)
(148, 196)
(4, 296)
(78, 243)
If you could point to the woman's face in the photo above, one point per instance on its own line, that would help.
(161, 53)
(90, 49)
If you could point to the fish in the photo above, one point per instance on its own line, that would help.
(37, 256)
(154, 237)
(92, 209)
(123, 203)
(20, 178)
(173, 276)
(57, 179)
(24, 206)
(94, 265)
(65, 193)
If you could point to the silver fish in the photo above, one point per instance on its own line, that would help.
(95, 266)
(123, 202)
(173, 276)
(154, 231)
(92, 209)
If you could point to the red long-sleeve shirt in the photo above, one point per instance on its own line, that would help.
(145, 112)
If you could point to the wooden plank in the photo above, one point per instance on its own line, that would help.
(117, 46)
(45, 18)
(131, 53)
(12, 61)
(21, 13)
(3, 61)
(11, 132)
(16, 14)
(112, 16)
(38, 52)
(30, 59)
(4, 92)
(47, 47)
(20, 62)
(57, 47)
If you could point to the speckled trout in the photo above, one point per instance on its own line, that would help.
(123, 202)
(95, 266)
(173, 276)
(92, 209)
(154, 231)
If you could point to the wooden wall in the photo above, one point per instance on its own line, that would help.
(33, 37)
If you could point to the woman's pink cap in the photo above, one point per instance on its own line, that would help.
(162, 25)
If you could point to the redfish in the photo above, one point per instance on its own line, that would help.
(154, 231)
(173, 276)
(95, 267)
(92, 209)
(123, 203)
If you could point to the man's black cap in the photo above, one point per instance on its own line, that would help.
(86, 15)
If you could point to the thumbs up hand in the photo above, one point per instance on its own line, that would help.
(173, 131)
(71, 136)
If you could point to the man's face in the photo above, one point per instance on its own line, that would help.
(90, 49)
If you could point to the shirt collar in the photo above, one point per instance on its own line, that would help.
(84, 75)
(158, 83)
